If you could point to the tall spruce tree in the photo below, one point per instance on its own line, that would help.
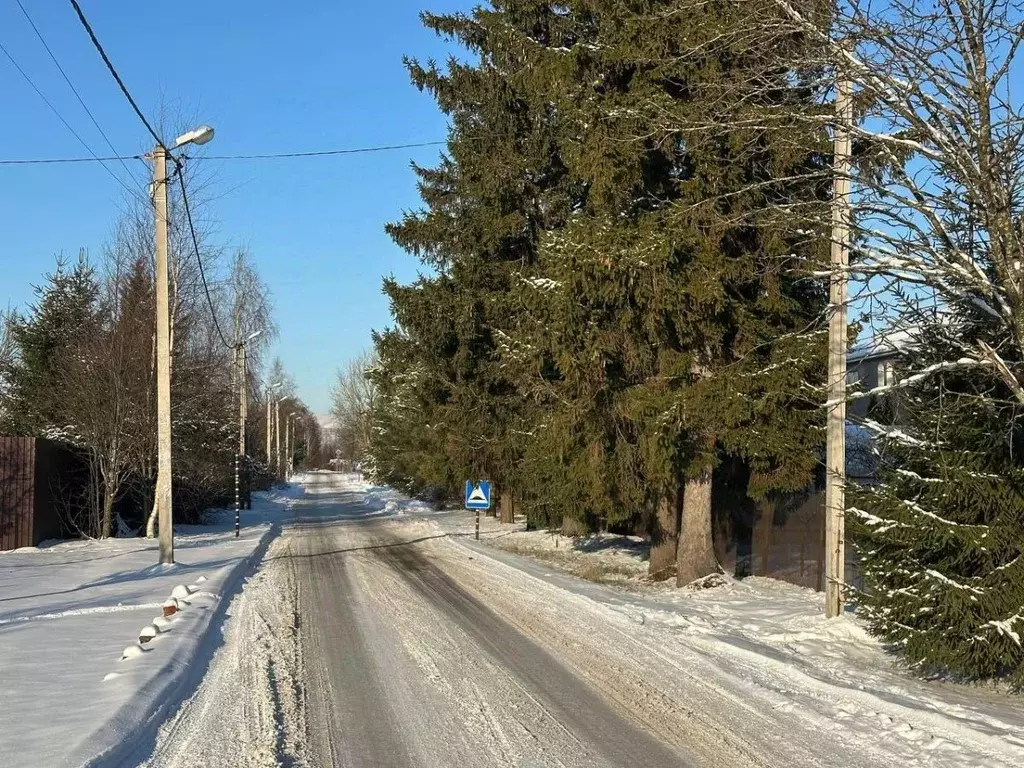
(615, 308)
(408, 440)
(65, 312)
(677, 304)
(499, 187)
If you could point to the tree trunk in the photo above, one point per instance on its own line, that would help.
(107, 526)
(507, 507)
(695, 556)
(151, 521)
(572, 526)
(763, 537)
(665, 537)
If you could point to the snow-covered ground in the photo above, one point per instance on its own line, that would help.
(601, 557)
(746, 673)
(67, 613)
(763, 642)
(800, 685)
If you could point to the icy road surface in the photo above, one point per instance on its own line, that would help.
(378, 634)
(357, 646)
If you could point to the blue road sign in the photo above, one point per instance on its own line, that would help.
(478, 494)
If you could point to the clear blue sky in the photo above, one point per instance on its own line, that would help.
(269, 76)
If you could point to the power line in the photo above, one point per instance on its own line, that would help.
(56, 160)
(323, 153)
(117, 77)
(67, 125)
(199, 259)
(72, 86)
(270, 156)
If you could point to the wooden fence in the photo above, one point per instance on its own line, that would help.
(33, 476)
(782, 538)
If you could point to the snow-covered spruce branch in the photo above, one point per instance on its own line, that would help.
(916, 378)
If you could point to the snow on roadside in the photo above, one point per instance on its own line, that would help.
(828, 685)
(388, 501)
(249, 705)
(601, 557)
(67, 612)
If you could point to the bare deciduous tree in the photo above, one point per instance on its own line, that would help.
(351, 401)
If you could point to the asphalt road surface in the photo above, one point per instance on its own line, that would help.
(402, 666)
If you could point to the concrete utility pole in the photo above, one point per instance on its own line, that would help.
(243, 413)
(277, 437)
(165, 515)
(835, 488)
(243, 440)
(295, 442)
(239, 455)
(288, 448)
(270, 425)
(286, 459)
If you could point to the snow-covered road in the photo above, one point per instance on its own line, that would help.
(371, 637)
(354, 647)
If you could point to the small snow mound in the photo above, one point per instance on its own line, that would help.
(201, 579)
(708, 582)
(148, 632)
(131, 652)
(180, 592)
(111, 676)
(160, 622)
(193, 588)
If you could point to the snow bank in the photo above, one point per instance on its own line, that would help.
(601, 557)
(389, 502)
(67, 612)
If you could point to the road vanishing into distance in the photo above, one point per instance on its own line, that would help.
(375, 632)
(366, 639)
(402, 666)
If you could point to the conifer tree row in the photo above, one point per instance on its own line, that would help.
(610, 312)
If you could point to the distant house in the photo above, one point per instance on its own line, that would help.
(870, 364)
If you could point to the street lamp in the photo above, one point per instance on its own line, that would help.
(165, 514)
(199, 135)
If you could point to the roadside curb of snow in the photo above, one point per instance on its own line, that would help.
(184, 655)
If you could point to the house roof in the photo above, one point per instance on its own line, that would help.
(884, 344)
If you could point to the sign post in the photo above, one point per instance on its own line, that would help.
(478, 496)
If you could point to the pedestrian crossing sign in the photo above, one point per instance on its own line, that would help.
(478, 494)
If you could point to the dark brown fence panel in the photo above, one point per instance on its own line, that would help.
(59, 483)
(39, 479)
(782, 538)
(17, 492)
(790, 544)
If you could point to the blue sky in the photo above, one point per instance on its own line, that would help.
(269, 76)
